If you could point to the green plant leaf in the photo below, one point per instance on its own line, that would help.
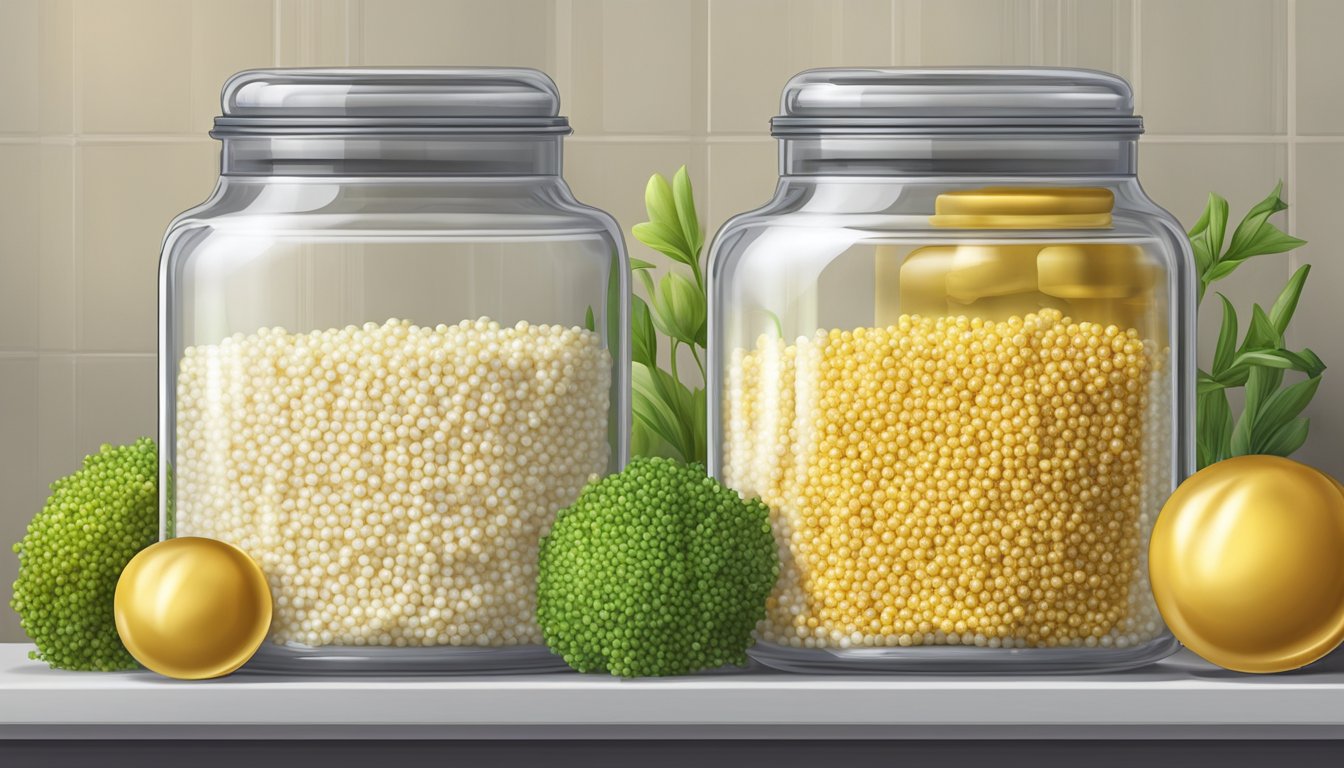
(1268, 241)
(1203, 452)
(1281, 359)
(700, 421)
(690, 222)
(1241, 435)
(661, 205)
(1213, 438)
(679, 400)
(1206, 237)
(1204, 384)
(657, 411)
(1226, 347)
(1265, 358)
(1269, 421)
(679, 308)
(646, 279)
(1286, 304)
(1305, 361)
(1255, 220)
(1220, 269)
(664, 238)
(1261, 334)
(1283, 406)
(1285, 440)
(1313, 365)
(646, 442)
(589, 322)
(643, 338)
(669, 415)
(1260, 384)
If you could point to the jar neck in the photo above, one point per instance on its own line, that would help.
(384, 155)
(999, 155)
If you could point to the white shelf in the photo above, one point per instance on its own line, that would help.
(1179, 698)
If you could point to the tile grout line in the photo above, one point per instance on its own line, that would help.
(76, 218)
(1061, 9)
(72, 139)
(739, 138)
(1294, 260)
(563, 43)
(1135, 54)
(275, 32)
(73, 354)
(1291, 118)
(353, 10)
(707, 124)
(894, 57)
(914, 16)
(106, 139)
(709, 81)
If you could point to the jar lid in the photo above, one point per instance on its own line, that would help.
(381, 100)
(956, 100)
(1024, 208)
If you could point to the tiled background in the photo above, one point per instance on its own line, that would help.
(105, 104)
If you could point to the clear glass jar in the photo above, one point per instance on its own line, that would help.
(392, 346)
(954, 355)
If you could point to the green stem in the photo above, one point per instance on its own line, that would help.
(672, 356)
(698, 362)
(699, 275)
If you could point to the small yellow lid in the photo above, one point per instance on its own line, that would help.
(1024, 208)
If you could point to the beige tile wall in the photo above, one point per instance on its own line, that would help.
(105, 104)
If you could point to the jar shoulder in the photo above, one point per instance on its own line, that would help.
(877, 209)
(483, 207)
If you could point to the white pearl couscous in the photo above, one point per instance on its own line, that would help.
(393, 481)
(955, 481)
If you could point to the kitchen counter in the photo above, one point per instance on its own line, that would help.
(1180, 698)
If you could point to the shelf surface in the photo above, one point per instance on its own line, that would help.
(1181, 697)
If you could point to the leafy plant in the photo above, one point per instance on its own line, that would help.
(1270, 420)
(669, 415)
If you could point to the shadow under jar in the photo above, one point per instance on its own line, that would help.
(392, 346)
(954, 355)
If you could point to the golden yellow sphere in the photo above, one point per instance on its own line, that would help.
(1247, 564)
(192, 608)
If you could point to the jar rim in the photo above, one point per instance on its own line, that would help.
(390, 100)
(939, 101)
(226, 127)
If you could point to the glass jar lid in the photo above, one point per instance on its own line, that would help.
(956, 100)
(390, 100)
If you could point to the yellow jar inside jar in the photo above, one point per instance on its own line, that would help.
(978, 467)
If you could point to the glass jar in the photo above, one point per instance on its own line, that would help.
(954, 355)
(392, 346)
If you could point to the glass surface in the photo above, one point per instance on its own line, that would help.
(1039, 93)
(392, 93)
(964, 436)
(387, 361)
(954, 355)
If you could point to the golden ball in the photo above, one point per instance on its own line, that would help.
(1247, 564)
(192, 608)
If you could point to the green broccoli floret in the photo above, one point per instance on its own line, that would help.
(656, 570)
(95, 521)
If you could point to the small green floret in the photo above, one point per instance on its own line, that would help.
(95, 521)
(656, 570)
